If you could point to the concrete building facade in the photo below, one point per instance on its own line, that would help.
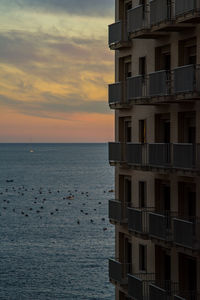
(156, 153)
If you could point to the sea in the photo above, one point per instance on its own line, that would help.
(55, 236)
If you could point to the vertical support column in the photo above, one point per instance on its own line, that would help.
(197, 122)
(198, 41)
(174, 193)
(174, 124)
(174, 49)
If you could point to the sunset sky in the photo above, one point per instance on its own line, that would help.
(54, 68)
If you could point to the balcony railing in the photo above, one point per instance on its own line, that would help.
(115, 33)
(186, 6)
(118, 211)
(163, 290)
(119, 271)
(115, 93)
(158, 155)
(136, 87)
(160, 226)
(138, 285)
(160, 11)
(186, 232)
(115, 152)
(184, 156)
(159, 83)
(138, 220)
(187, 79)
(137, 19)
(187, 295)
(134, 153)
(182, 83)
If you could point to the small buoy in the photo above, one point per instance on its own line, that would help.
(104, 229)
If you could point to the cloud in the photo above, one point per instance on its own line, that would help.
(97, 8)
(54, 106)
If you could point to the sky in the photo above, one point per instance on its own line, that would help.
(55, 66)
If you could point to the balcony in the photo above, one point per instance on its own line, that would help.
(116, 96)
(118, 271)
(138, 285)
(160, 155)
(179, 85)
(117, 211)
(159, 83)
(184, 156)
(186, 233)
(168, 158)
(117, 36)
(160, 226)
(138, 24)
(187, 81)
(134, 154)
(162, 290)
(160, 14)
(187, 295)
(138, 221)
(136, 87)
(187, 10)
(115, 152)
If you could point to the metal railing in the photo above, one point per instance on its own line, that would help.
(118, 211)
(160, 154)
(159, 83)
(115, 93)
(186, 6)
(115, 152)
(138, 285)
(119, 271)
(184, 156)
(136, 87)
(187, 295)
(181, 80)
(160, 225)
(134, 153)
(137, 18)
(162, 290)
(115, 33)
(186, 79)
(186, 232)
(138, 219)
(160, 11)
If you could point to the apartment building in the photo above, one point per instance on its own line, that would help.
(156, 153)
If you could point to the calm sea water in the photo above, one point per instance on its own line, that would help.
(52, 247)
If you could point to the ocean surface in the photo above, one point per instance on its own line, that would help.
(55, 236)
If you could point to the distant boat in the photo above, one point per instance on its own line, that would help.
(31, 150)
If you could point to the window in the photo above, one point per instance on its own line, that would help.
(187, 52)
(142, 65)
(128, 72)
(142, 258)
(163, 58)
(128, 132)
(142, 131)
(142, 194)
